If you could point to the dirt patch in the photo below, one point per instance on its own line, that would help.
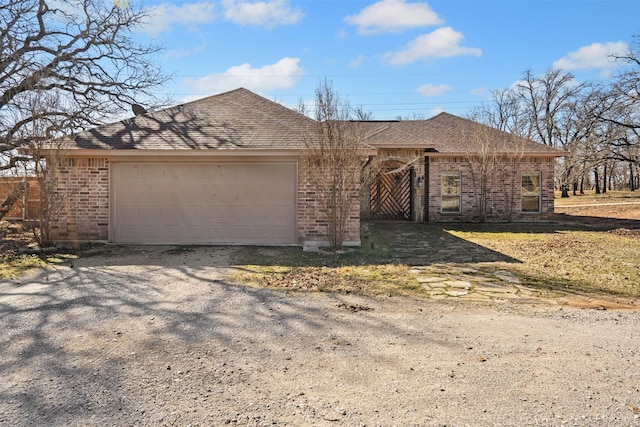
(626, 232)
(595, 303)
(385, 279)
(14, 237)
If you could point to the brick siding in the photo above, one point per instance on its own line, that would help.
(507, 187)
(83, 184)
(312, 221)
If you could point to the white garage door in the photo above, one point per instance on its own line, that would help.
(181, 203)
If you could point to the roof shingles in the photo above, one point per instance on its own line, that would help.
(241, 119)
(238, 119)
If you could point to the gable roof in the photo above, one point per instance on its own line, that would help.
(446, 134)
(239, 119)
(242, 120)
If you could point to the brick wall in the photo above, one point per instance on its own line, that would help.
(505, 199)
(83, 184)
(311, 217)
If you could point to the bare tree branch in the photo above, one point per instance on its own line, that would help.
(83, 53)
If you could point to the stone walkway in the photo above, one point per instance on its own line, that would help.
(443, 281)
(441, 261)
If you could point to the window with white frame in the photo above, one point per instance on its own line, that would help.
(531, 192)
(451, 192)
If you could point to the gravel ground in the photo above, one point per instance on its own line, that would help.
(161, 338)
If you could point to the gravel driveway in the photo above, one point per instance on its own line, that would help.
(157, 336)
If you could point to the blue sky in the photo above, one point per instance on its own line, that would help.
(392, 57)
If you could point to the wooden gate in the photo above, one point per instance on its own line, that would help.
(391, 195)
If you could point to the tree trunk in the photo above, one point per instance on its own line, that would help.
(604, 180)
(596, 179)
(582, 185)
(610, 181)
(12, 198)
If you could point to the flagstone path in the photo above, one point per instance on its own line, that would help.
(439, 261)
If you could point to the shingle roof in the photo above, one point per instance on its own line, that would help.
(447, 134)
(239, 119)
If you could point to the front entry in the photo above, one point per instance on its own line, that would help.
(391, 193)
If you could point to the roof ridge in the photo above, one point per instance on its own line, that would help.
(273, 103)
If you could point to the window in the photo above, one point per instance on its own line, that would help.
(531, 192)
(451, 192)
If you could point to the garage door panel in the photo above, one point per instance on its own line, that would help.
(252, 203)
(248, 215)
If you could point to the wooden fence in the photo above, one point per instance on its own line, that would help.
(29, 204)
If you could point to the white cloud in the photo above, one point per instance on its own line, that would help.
(430, 90)
(162, 17)
(441, 43)
(173, 54)
(357, 62)
(282, 75)
(594, 56)
(270, 13)
(393, 16)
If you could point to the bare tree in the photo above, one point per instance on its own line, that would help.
(621, 117)
(505, 112)
(550, 102)
(47, 156)
(336, 156)
(626, 89)
(361, 114)
(65, 67)
(82, 53)
(14, 196)
(598, 124)
(412, 116)
(494, 165)
(483, 164)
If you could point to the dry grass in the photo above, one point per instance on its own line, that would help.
(601, 263)
(15, 265)
(613, 204)
(14, 239)
(597, 254)
(386, 279)
(588, 252)
(590, 197)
